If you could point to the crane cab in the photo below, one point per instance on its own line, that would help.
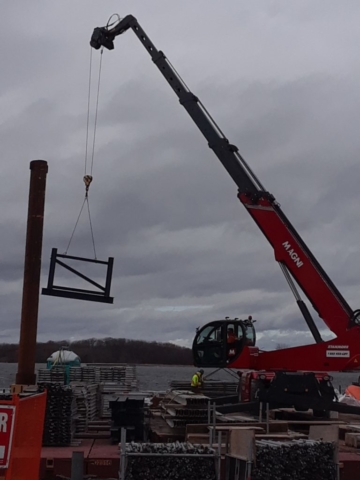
(219, 343)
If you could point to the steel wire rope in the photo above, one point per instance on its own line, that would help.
(88, 112)
(76, 223)
(88, 178)
(96, 113)
(91, 227)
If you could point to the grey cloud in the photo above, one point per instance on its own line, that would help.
(162, 204)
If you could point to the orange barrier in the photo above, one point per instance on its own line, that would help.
(22, 452)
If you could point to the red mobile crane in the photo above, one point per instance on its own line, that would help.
(211, 347)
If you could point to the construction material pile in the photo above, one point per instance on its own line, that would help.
(85, 395)
(124, 375)
(170, 461)
(183, 407)
(83, 374)
(59, 426)
(55, 374)
(212, 389)
(121, 374)
(295, 460)
(110, 392)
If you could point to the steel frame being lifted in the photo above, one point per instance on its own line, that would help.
(101, 295)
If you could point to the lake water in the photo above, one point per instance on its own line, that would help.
(158, 377)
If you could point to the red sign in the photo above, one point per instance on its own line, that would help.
(7, 420)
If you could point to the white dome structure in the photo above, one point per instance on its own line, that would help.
(64, 357)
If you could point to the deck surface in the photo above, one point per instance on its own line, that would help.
(94, 449)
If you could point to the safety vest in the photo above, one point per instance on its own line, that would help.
(195, 381)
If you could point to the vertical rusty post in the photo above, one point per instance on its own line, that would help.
(30, 301)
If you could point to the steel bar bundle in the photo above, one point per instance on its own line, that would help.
(59, 426)
(170, 461)
(295, 460)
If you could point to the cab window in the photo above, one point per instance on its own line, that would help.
(210, 334)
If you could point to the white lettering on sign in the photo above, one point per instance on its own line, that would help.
(338, 353)
(3, 422)
(293, 255)
(341, 347)
(7, 421)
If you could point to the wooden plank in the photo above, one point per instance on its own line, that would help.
(280, 426)
(242, 444)
(327, 433)
(280, 436)
(239, 427)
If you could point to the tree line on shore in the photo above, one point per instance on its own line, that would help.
(108, 350)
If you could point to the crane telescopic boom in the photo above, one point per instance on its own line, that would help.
(295, 259)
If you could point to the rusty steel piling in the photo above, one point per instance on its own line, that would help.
(31, 286)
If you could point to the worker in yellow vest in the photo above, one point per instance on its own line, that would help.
(196, 381)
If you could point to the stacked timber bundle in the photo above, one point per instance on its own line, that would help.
(124, 375)
(169, 461)
(124, 382)
(295, 460)
(211, 389)
(121, 374)
(182, 407)
(55, 374)
(83, 374)
(85, 395)
(60, 414)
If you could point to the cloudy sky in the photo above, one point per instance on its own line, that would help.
(280, 78)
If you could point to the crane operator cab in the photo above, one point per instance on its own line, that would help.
(220, 342)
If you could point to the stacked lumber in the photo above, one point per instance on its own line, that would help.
(86, 374)
(123, 374)
(182, 407)
(55, 374)
(85, 395)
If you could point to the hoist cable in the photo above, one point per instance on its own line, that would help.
(77, 221)
(88, 112)
(91, 227)
(96, 112)
(111, 24)
(88, 178)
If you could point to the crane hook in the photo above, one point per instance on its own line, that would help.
(87, 180)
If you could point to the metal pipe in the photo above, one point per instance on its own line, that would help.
(219, 456)
(267, 418)
(214, 416)
(77, 466)
(260, 411)
(123, 454)
(31, 286)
